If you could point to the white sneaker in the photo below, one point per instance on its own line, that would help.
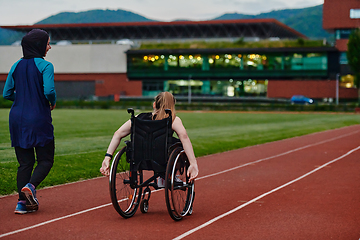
(161, 182)
(178, 180)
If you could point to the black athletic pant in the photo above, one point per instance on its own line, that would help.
(26, 159)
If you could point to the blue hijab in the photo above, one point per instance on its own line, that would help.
(34, 44)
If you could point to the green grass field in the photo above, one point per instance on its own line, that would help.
(82, 137)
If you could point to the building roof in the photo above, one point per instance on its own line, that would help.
(233, 50)
(245, 28)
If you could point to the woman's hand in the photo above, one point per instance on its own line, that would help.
(193, 171)
(105, 168)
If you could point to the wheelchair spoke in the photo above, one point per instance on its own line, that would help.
(178, 190)
(125, 199)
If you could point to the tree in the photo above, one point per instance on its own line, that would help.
(353, 56)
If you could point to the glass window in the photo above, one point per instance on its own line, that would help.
(152, 88)
(236, 88)
(315, 61)
(343, 58)
(147, 61)
(136, 62)
(354, 13)
(223, 87)
(154, 61)
(173, 61)
(190, 61)
(296, 61)
(308, 61)
(225, 60)
(274, 62)
(254, 61)
(181, 87)
(342, 33)
(255, 87)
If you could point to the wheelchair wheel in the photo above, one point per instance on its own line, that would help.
(125, 199)
(179, 192)
(144, 206)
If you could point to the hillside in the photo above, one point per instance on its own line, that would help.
(308, 21)
(93, 16)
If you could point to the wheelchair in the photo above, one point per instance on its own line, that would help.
(151, 149)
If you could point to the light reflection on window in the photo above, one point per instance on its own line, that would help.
(236, 61)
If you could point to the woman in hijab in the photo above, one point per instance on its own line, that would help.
(30, 85)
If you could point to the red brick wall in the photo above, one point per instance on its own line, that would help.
(336, 14)
(106, 84)
(341, 44)
(3, 77)
(350, 93)
(309, 88)
(115, 84)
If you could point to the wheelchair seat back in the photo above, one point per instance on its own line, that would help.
(150, 140)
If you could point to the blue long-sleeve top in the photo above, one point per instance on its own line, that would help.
(30, 85)
(44, 67)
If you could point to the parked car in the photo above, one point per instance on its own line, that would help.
(125, 42)
(300, 99)
(63, 43)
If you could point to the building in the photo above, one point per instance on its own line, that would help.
(102, 68)
(340, 18)
(235, 72)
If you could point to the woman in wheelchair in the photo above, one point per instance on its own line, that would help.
(163, 100)
(152, 147)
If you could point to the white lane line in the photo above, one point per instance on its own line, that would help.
(54, 220)
(278, 155)
(261, 196)
(199, 178)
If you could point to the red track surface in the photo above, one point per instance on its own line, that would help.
(301, 188)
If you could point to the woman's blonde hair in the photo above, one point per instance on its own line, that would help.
(164, 100)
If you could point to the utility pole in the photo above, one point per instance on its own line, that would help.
(189, 90)
(337, 88)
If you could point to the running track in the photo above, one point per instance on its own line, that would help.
(301, 188)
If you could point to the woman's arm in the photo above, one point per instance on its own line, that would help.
(9, 88)
(180, 130)
(47, 70)
(122, 132)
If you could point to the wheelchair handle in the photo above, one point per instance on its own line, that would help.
(130, 110)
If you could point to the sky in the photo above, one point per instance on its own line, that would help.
(28, 12)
